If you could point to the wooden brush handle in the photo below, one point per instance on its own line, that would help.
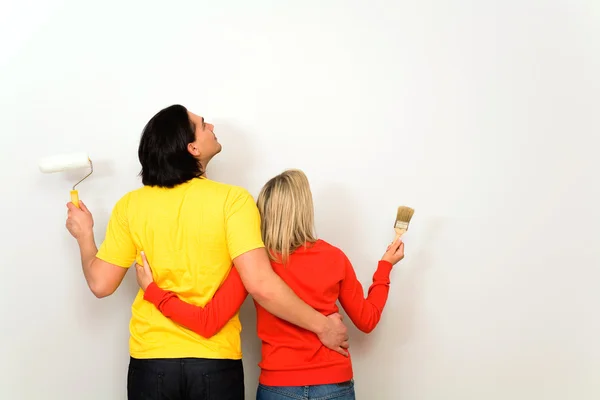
(399, 232)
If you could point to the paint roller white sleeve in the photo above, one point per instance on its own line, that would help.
(63, 162)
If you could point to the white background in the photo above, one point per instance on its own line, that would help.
(482, 115)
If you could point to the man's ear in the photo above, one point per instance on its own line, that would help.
(193, 149)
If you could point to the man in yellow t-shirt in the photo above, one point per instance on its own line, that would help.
(193, 230)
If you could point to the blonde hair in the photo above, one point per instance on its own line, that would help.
(287, 214)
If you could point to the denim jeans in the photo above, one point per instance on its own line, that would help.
(337, 391)
(185, 379)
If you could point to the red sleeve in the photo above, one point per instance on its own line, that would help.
(205, 321)
(365, 313)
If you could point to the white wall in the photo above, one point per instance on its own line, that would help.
(480, 114)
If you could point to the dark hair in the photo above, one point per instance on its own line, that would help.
(163, 152)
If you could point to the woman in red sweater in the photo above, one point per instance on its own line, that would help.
(295, 364)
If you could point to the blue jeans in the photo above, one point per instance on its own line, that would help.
(337, 391)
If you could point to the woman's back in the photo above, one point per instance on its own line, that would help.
(320, 274)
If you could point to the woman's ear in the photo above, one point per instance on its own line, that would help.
(193, 149)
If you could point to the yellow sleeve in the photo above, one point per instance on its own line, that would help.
(242, 223)
(118, 247)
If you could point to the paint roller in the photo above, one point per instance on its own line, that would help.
(64, 162)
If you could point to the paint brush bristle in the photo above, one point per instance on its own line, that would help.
(403, 218)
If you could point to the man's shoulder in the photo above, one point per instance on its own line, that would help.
(232, 192)
(124, 200)
(202, 187)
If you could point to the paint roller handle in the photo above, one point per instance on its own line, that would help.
(75, 198)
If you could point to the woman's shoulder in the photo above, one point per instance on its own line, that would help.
(328, 248)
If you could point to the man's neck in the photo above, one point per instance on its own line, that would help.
(204, 164)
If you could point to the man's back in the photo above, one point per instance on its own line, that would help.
(187, 233)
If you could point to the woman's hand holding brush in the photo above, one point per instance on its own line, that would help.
(395, 252)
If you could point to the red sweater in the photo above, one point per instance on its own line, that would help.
(319, 274)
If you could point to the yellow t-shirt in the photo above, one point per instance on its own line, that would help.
(190, 235)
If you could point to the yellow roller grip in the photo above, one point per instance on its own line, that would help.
(75, 198)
